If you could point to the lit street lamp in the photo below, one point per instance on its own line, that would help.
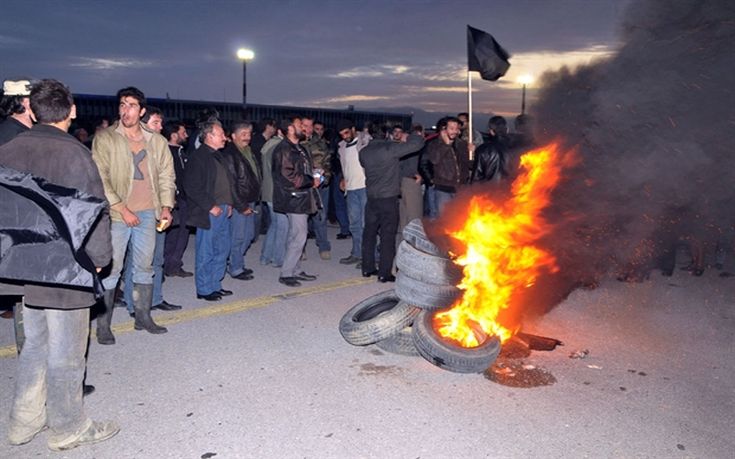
(245, 55)
(524, 80)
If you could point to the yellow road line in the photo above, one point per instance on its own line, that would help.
(222, 309)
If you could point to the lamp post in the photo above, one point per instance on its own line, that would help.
(245, 55)
(524, 80)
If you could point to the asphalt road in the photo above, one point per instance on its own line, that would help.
(266, 374)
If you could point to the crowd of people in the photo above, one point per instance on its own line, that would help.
(160, 180)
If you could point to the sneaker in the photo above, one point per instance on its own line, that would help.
(91, 432)
(20, 435)
(349, 260)
(325, 255)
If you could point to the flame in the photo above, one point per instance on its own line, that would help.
(500, 256)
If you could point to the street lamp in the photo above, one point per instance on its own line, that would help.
(524, 80)
(245, 55)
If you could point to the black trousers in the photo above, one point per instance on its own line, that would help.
(177, 238)
(381, 217)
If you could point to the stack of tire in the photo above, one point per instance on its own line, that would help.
(400, 320)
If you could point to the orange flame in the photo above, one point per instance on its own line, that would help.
(500, 256)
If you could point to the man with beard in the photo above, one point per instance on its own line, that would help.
(294, 194)
(177, 237)
(246, 192)
(209, 189)
(353, 183)
(447, 163)
(138, 175)
(51, 363)
(381, 158)
(320, 157)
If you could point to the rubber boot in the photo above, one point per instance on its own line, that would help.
(104, 319)
(142, 299)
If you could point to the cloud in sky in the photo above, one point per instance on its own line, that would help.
(103, 63)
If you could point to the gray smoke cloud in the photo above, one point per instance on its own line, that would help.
(654, 127)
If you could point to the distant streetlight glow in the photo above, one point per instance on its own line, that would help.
(525, 79)
(245, 54)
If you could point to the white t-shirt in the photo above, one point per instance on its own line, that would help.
(351, 168)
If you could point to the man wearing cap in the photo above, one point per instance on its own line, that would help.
(15, 107)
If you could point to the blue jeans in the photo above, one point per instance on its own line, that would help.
(442, 199)
(274, 246)
(340, 205)
(320, 222)
(48, 386)
(142, 240)
(157, 273)
(212, 249)
(242, 235)
(430, 209)
(356, 200)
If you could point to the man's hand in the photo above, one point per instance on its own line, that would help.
(129, 217)
(216, 211)
(342, 185)
(471, 147)
(229, 211)
(317, 182)
(247, 211)
(167, 217)
(417, 178)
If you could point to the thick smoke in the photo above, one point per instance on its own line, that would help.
(655, 130)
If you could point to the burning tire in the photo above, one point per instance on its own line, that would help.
(400, 343)
(376, 318)
(414, 234)
(424, 267)
(448, 356)
(425, 295)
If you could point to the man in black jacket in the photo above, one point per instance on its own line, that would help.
(490, 156)
(209, 190)
(15, 108)
(245, 173)
(380, 159)
(56, 318)
(294, 194)
(177, 237)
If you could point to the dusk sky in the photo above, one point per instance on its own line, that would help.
(369, 53)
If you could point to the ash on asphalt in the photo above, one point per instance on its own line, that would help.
(510, 368)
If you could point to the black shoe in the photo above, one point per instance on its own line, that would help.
(214, 296)
(302, 276)
(224, 292)
(132, 314)
(166, 306)
(344, 236)
(243, 276)
(247, 271)
(290, 281)
(349, 260)
(311, 235)
(369, 273)
(388, 278)
(87, 389)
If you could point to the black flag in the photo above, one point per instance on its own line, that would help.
(485, 55)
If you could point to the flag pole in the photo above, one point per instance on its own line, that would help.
(469, 112)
